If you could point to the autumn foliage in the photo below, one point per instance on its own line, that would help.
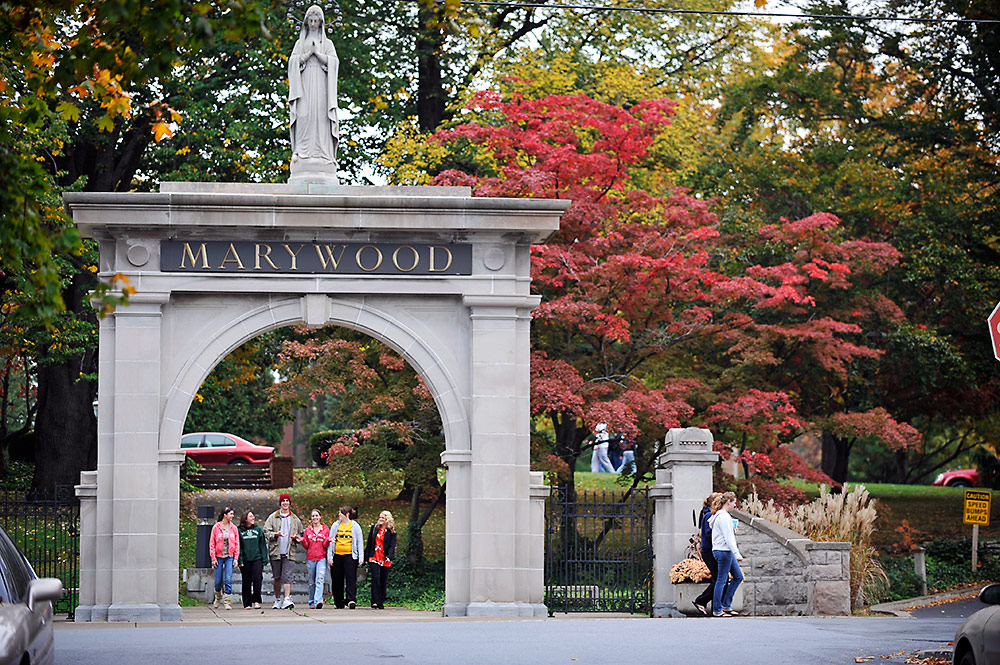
(654, 313)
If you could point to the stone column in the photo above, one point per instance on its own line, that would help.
(457, 531)
(682, 483)
(168, 534)
(86, 491)
(535, 575)
(128, 476)
(500, 537)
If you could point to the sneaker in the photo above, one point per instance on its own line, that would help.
(256, 606)
(381, 607)
(287, 603)
(312, 606)
(319, 606)
(351, 605)
(277, 604)
(374, 606)
(701, 608)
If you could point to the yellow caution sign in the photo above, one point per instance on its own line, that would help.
(977, 507)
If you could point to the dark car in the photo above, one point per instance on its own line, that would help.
(222, 448)
(26, 634)
(977, 641)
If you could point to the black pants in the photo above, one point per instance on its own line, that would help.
(345, 578)
(253, 576)
(379, 575)
(713, 566)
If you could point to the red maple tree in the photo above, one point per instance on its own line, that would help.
(654, 314)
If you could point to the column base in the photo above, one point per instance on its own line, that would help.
(454, 610)
(489, 609)
(134, 613)
(667, 610)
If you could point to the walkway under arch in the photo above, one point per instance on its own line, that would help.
(441, 277)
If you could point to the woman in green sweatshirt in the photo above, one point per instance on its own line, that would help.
(253, 554)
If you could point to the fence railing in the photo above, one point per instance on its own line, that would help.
(599, 552)
(46, 528)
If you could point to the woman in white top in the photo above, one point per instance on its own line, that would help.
(726, 553)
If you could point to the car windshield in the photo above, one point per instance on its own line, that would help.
(14, 570)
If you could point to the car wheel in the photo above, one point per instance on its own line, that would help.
(239, 462)
(960, 483)
(968, 658)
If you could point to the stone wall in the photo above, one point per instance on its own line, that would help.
(788, 574)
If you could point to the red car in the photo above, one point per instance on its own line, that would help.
(220, 448)
(958, 478)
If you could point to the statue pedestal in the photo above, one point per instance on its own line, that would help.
(308, 170)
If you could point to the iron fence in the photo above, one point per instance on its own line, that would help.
(599, 552)
(46, 527)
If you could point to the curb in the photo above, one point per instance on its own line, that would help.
(898, 607)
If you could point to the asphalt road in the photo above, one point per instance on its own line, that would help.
(570, 641)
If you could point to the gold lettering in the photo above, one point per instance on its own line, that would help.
(293, 254)
(329, 260)
(378, 253)
(202, 252)
(447, 251)
(236, 260)
(395, 259)
(266, 255)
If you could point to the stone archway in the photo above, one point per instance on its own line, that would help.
(441, 277)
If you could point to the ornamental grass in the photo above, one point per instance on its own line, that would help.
(839, 518)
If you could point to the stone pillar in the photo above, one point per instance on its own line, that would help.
(86, 491)
(683, 481)
(829, 579)
(168, 533)
(457, 531)
(535, 574)
(499, 417)
(129, 567)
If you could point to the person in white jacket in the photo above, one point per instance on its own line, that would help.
(726, 553)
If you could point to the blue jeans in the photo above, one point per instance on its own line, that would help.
(224, 573)
(628, 460)
(722, 598)
(317, 575)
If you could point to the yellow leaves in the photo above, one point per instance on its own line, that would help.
(185, 150)
(105, 124)
(68, 111)
(760, 4)
(161, 129)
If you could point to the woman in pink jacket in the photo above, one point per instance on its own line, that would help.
(315, 540)
(224, 548)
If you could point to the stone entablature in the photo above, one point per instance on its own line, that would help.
(789, 574)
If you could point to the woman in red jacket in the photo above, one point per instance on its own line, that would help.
(315, 540)
(224, 548)
(382, 545)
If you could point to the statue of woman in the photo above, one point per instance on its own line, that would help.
(312, 99)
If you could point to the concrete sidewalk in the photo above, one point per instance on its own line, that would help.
(208, 616)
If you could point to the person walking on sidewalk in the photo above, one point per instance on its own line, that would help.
(345, 553)
(701, 602)
(316, 541)
(224, 547)
(726, 554)
(382, 545)
(283, 529)
(253, 554)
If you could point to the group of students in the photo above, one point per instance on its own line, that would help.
(720, 553)
(338, 546)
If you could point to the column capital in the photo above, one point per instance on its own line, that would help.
(456, 457)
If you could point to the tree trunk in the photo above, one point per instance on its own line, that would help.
(836, 454)
(431, 98)
(66, 427)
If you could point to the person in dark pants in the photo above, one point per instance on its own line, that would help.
(253, 554)
(345, 553)
(382, 547)
(701, 602)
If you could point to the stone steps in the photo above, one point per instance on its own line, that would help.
(233, 476)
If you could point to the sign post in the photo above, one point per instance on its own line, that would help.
(994, 321)
(977, 511)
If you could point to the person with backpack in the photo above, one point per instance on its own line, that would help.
(701, 602)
